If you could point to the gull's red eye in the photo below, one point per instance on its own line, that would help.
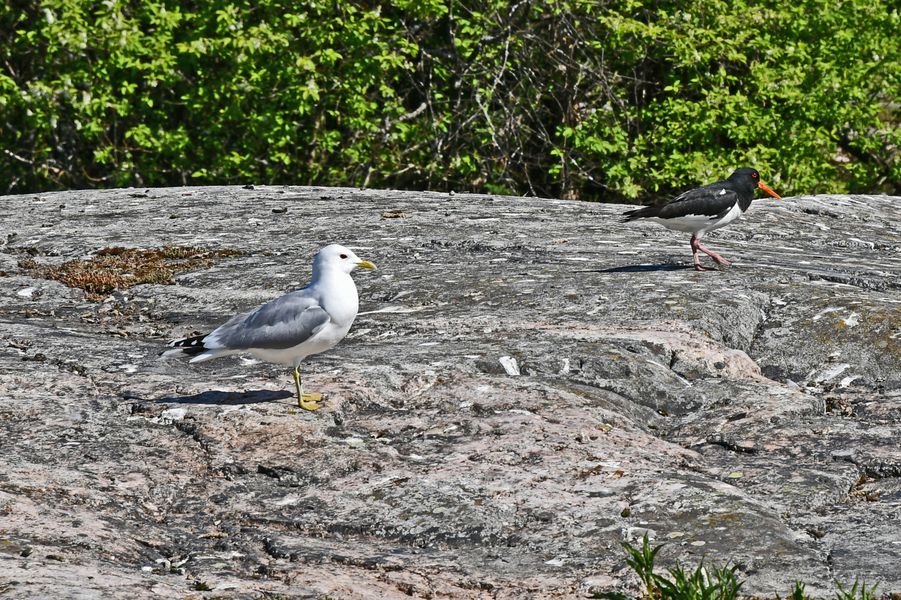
(343, 256)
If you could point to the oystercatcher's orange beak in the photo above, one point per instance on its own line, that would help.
(769, 191)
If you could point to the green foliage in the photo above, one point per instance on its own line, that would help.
(642, 562)
(856, 592)
(703, 583)
(610, 100)
(152, 92)
(797, 593)
(717, 583)
(700, 584)
(800, 91)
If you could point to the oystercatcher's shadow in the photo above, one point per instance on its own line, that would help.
(227, 398)
(644, 268)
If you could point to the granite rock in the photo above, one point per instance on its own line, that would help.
(530, 382)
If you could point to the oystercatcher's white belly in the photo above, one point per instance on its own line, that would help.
(699, 224)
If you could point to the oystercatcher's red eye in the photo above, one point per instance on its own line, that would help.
(343, 256)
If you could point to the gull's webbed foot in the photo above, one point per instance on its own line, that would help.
(310, 401)
(305, 401)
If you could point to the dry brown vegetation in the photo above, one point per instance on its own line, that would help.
(119, 268)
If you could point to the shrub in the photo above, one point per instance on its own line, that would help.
(609, 100)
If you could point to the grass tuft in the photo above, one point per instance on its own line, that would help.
(642, 562)
(855, 592)
(797, 593)
(717, 583)
(703, 583)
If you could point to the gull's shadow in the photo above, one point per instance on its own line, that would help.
(227, 398)
(645, 268)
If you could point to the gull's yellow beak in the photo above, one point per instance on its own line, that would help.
(366, 264)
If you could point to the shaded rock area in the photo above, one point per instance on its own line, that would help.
(530, 382)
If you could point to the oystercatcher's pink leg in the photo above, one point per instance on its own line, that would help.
(716, 257)
(695, 246)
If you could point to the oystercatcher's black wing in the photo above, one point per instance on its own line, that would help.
(714, 201)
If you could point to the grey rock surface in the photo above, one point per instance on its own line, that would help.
(530, 383)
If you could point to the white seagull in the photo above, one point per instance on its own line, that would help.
(292, 327)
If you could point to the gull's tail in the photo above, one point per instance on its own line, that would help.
(191, 346)
(199, 348)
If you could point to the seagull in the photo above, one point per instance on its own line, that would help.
(292, 327)
(706, 208)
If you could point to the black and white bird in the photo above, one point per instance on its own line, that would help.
(706, 208)
(292, 327)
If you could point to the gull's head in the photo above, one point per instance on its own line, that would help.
(340, 258)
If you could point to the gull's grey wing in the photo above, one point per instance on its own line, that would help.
(279, 324)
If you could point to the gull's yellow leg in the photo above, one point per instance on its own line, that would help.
(305, 401)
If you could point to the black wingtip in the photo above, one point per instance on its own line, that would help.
(190, 346)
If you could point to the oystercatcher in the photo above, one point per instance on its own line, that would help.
(706, 208)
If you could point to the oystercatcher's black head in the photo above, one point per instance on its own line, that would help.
(747, 179)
